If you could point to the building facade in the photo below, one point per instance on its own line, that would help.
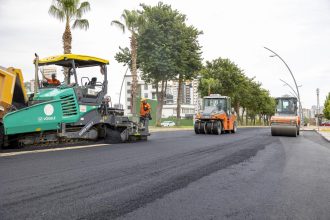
(189, 99)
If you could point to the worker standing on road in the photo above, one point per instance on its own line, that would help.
(145, 112)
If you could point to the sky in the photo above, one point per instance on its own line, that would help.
(298, 30)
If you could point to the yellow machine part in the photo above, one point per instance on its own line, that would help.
(11, 89)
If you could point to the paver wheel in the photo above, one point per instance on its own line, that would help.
(114, 136)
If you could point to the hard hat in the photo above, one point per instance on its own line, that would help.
(143, 99)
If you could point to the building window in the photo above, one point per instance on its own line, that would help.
(145, 86)
(154, 95)
(128, 83)
(146, 95)
(128, 107)
(128, 99)
(129, 91)
(153, 86)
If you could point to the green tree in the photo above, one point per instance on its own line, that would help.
(209, 83)
(230, 78)
(124, 56)
(188, 60)
(245, 93)
(157, 49)
(326, 110)
(133, 20)
(70, 11)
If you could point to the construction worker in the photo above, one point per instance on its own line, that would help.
(145, 111)
(53, 81)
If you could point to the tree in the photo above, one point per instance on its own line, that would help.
(230, 78)
(124, 56)
(157, 49)
(326, 110)
(226, 78)
(188, 57)
(132, 22)
(70, 11)
(209, 83)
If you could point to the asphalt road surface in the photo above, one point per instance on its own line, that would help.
(174, 175)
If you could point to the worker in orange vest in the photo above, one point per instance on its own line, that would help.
(52, 81)
(145, 111)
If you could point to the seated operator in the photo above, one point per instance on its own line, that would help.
(52, 81)
(219, 106)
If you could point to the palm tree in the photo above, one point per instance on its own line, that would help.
(211, 83)
(70, 11)
(132, 22)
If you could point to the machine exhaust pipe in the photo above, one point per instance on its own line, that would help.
(36, 78)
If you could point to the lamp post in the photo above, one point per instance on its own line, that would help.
(287, 84)
(122, 83)
(318, 109)
(276, 55)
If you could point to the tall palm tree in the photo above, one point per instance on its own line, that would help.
(132, 22)
(70, 11)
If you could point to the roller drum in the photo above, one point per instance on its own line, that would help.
(284, 130)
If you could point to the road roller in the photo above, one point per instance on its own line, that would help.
(286, 121)
(217, 116)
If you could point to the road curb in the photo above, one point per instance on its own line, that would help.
(324, 137)
(153, 130)
(162, 129)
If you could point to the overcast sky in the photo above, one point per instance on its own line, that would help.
(298, 30)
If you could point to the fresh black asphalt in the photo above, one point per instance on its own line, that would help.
(174, 175)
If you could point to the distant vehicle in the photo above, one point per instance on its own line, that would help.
(167, 123)
(286, 121)
(327, 123)
(217, 116)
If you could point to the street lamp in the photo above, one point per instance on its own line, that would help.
(287, 84)
(276, 55)
(122, 82)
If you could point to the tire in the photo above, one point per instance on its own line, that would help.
(202, 128)
(217, 129)
(113, 136)
(144, 138)
(196, 127)
(234, 128)
(208, 128)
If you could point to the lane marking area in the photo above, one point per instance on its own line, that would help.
(50, 150)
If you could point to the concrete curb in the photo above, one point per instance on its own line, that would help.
(163, 129)
(153, 130)
(324, 136)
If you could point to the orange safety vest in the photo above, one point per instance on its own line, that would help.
(55, 82)
(144, 109)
